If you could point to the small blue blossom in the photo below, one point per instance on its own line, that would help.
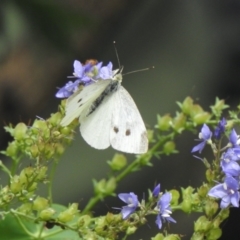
(232, 154)
(205, 135)
(156, 191)
(163, 206)
(85, 74)
(231, 168)
(227, 191)
(220, 129)
(132, 203)
(233, 139)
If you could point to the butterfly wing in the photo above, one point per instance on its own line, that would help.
(95, 127)
(127, 133)
(82, 100)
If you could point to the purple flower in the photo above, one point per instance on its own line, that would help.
(227, 191)
(233, 139)
(156, 191)
(163, 206)
(232, 154)
(132, 203)
(231, 168)
(85, 74)
(205, 135)
(220, 129)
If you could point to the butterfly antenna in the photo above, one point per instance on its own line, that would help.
(115, 48)
(140, 70)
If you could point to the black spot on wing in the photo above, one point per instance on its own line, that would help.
(79, 100)
(115, 129)
(128, 132)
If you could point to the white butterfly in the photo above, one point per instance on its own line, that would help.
(108, 116)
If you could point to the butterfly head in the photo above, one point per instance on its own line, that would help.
(117, 75)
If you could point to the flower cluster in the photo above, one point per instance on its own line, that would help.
(86, 74)
(162, 208)
(228, 190)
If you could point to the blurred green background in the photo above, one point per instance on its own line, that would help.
(194, 46)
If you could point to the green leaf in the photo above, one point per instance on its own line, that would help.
(10, 228)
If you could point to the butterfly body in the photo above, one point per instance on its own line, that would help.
(108, 116)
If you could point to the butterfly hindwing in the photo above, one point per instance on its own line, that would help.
(128, 132)
(81, 100)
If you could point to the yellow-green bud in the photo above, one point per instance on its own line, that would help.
(179, 122)
(210, 208)
(202, 224)
(164, 123)
(224, 213)
(131, 230)
(186, 205)
(172, 237)
(15, 185)
(100, 186)
(84, 220)
(187, 105)
(59, 149)
(25, 208)
(203, 190)
(175, 196)
(34, 151)
(55, 118)
(198, 236)
(159, 236)
(40, 203)
(68, 214)
(214, 234)
(118, 162)
(47, 214)
(201, 118)
(111, 185)
(42, 173)
(169, 147)
(12, 149)
(20, 131)
(210, 175)
(150, 134)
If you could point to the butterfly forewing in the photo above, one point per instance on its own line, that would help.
(81, 101)
(128, 132)
(95, 127)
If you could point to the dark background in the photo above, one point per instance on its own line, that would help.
(194, 46)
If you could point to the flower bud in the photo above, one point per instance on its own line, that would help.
(131, 230)
(59, 149)
(47, 214)
(164, 123)
(12, 150)
(210, 208)
(202, 224)
(175, 196)
(201, 118)
(25, 208)
(179, 122)
(118, 162)
(172, 237)
(55, 118)
(210, 175)
(68, 215)
(186, 205)
(214, 234)
(111, 185)
(169, 147)
(41, 175)
(20, 131)
(99, 187)
(159, 236)
(84, 221)
(65, 130)
(150, 134)
(15, 185)
(198, 236)
(34, 151)
(187, 105)
(203, 190)
(40, 203)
